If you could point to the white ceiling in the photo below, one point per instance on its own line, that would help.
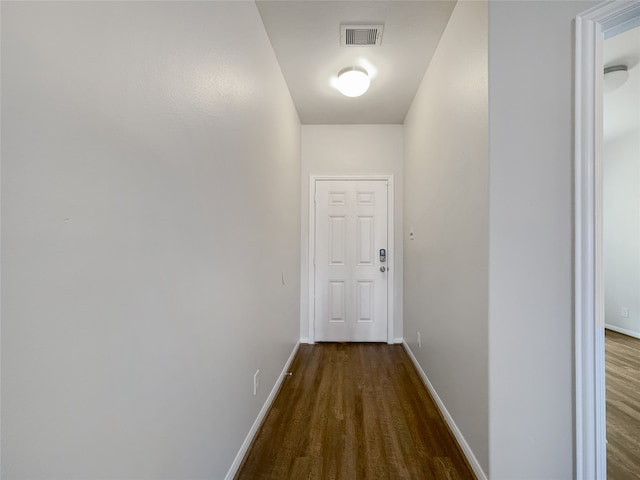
(622, 106)
(306, 38)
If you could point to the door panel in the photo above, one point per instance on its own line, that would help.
(365, 241)
(351, 289)
(365, 301)
(337, 302)
(337, 239)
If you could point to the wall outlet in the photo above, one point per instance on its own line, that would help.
(419, 341)
(256, 382)
(624, 311)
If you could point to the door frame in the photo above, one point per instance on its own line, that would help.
(390, 245)
(590, 402)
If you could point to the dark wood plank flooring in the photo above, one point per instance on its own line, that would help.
(353, 411)
(622, 363)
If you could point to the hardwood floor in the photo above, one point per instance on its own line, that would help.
(622, 362)
(353, 411)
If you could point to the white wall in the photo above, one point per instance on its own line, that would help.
(531, 406)
(446, 205)
(621, 216)
(351, 150)
(150, 203)
(621, 194)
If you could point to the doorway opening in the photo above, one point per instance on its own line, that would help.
(592, 27)
(621, 252)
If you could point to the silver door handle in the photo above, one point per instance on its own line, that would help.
(383, 269)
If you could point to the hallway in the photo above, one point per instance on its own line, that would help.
(156, 261)
(353, 411)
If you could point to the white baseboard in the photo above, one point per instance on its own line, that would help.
(471, 458)
(624, 331)
(304, 340)
(263, 411)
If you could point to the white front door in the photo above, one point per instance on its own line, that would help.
(350, 272)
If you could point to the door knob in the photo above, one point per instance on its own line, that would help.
(383, 269)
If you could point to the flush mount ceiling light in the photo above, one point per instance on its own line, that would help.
(353, 81)
(614, 77)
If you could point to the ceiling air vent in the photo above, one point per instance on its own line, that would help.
(361, 35)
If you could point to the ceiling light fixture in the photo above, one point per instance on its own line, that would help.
(353, 81)
(614, 77)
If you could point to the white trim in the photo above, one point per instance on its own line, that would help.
(304, 340)
(590, 421)
(312, 258)
(258, 421)
(398, 341)
(624, 331)
(390, 246)
(466, 449)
